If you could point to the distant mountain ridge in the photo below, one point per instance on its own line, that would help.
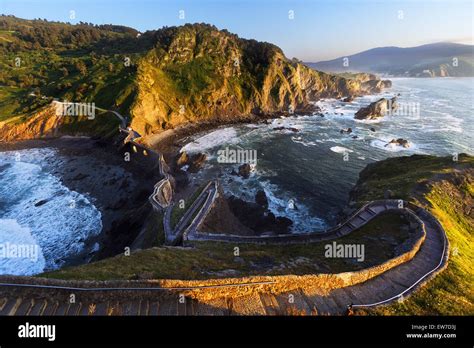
(430, 60)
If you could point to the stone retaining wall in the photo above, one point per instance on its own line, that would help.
(224, 287)
(331, 233)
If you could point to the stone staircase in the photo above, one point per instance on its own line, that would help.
(394, 284)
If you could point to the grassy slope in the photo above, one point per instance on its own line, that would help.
(208, 259)
(10, 102)
(106, 89)
(154, 234)
(448, 196)
(107, 82)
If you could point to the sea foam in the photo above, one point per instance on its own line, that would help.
(58, 219)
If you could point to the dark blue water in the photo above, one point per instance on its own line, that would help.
(308, 167)
(57, 229)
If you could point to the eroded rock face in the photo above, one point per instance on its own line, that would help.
(200, 74)
(182, 159)
(196, 162)
(346, 131)
(261, 199)
(377, 109)
(244, 170)
(43, 124)
(376, 85)
(258, 218)
(348, 99)
(294, 130)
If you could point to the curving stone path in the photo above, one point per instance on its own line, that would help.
(396, 283)
(358, 219)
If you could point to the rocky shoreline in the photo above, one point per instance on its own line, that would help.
(96, 169)
(87, 155)
(251, 214)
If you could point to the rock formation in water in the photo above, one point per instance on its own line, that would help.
(377, 109)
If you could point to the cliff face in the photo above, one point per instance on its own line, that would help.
(43, 124)
(196, 73)
(179, 75)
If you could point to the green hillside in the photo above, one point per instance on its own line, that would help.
(446, 188)
(162, 79)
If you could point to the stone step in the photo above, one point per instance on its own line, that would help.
(182, 307)
(318, 304)
(401, 278)
(218, 306)
(270, 304)
(11, 306)
(341, 298)
(377, 209)
(357, 221)
(364, 215)
(62, 308)
(370, 211)
(101, 309)
(50, 308)
(37, 308)
(86, 309)
(345, 229)
(301, 305)
(24, 307)
(351, 225)
(382, 287)
(144, 307)
(135, 307)
(73, 309)
(114, 308)
(333, 307)
(433, 246)
(358, 295)
(380, 290)
(283, 301)
(130, 308)
(153, 308)
(168, 306)
(248, 305)
(419, 264)
(3, 302)
(390, 289)
(191, 306)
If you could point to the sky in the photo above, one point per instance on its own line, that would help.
(311, 30)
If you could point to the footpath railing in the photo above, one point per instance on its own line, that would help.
(426, 276)
(371, 210)
(430, 228)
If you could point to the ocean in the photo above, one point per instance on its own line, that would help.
(306, 175)
(315, 168)
(43, 224)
